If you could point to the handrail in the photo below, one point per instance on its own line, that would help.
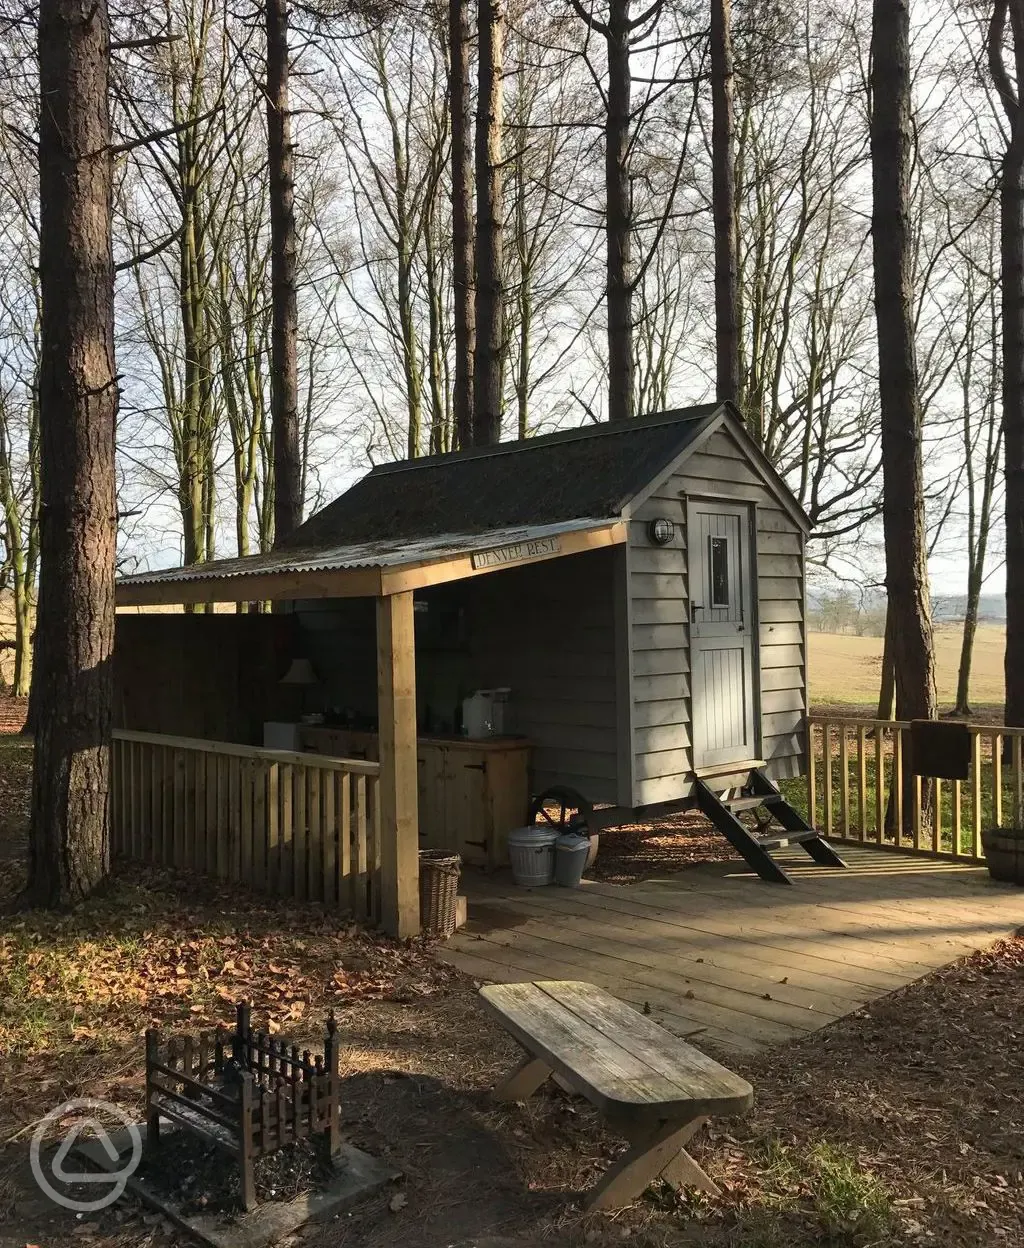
(858, 721)
(326, 762)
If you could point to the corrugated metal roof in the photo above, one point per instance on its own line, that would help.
(396, 552)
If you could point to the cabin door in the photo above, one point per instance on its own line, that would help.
(722, 622)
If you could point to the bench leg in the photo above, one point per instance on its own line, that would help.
(521, 1084)
(656, 1153)
(682, 1170)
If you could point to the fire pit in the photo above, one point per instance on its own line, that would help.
(249, 1093)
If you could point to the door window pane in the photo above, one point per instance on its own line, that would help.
(719, 564)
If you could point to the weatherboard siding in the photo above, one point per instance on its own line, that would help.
(660, 703)
(548, 633)
(721, 467)
(659, 602)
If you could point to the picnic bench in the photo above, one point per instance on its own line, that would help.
(653, 1088)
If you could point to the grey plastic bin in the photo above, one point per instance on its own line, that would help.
(532, 854)
(571, 852)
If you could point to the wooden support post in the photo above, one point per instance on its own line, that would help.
(396, 704)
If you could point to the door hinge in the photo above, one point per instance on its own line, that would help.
(476, 844)
(475, 767)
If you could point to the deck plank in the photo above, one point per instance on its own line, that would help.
(715, 953)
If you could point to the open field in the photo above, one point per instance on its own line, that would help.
(847, 669)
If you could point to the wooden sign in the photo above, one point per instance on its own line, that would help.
(517, 552)
(940, 748)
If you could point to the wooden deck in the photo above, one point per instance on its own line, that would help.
(717, 955)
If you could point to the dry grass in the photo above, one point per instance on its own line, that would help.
(846, 669)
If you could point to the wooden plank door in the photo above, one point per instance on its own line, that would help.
(722, 622)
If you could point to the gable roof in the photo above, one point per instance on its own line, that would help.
(577, 486)
(591, 472)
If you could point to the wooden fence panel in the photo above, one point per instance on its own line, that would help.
(858, 795)
(295, 825)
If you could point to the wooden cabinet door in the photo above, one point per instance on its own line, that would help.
(467, 809)
(433, 827)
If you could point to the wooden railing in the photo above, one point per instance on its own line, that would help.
(295, 825)
(857, 790)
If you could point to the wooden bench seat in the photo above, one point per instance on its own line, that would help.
(653, 1088)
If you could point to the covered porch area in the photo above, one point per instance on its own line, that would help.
(337, 830)
(716, 955)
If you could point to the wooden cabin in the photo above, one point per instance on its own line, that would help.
(638, 588)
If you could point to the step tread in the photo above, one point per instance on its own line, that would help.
(777, 840)
(742, 803)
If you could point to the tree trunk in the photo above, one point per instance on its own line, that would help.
(887, 687)
(723, 192)
(1011, 227)
(903, 516)
(618, 215)
(489, 228)
(462, 219)
(284, 373)
(963, 678)
(69, 851)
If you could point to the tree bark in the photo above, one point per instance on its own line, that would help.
(887, 685)
(618, 214)
(487, 398)
(1011, 208)
(284, 376)
(1011, 271)
(69, 851)
(903, 515)
(462, 220)
(723, 193)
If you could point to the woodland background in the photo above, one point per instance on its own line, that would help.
(376, 323)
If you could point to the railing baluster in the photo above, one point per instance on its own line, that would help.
(826, 746)
(879, 783)
(976, 794)
(897, 780)
(273, 828)
(812, 778)
(862, 784)
(844, 774)
(997, 779)
(917, 812)
(957, 817)
(937, 817)
(1018, 781)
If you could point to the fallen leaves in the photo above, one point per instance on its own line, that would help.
(118, 964)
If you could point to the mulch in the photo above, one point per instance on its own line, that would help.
(631, 852)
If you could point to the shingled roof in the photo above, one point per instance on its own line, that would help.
(583, 473)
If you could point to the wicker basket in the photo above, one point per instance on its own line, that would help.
(1004, 853)
(439, 891)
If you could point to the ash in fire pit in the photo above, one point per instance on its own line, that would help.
(198, 1177)
(248, 1102)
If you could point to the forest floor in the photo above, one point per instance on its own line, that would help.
(902, 1124)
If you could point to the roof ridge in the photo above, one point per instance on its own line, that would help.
(677, 415)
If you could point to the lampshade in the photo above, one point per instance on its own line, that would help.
(300, 673)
